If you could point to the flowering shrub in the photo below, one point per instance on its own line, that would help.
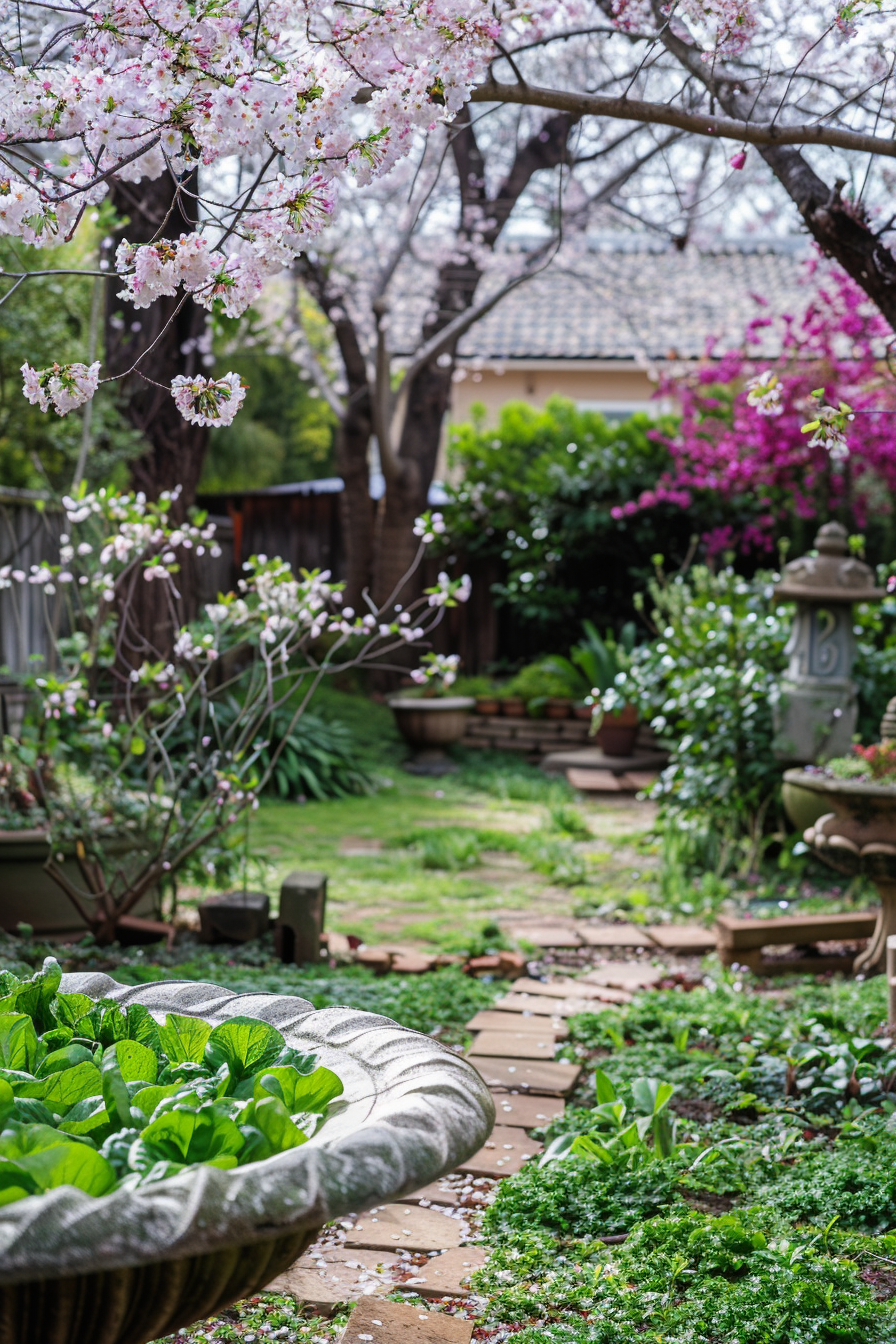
(741, 448)
(121, 741)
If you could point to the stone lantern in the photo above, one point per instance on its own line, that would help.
(815, 717)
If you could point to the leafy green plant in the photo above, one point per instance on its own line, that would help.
(642, 1133)
(595, 662)
(568, 821)
(105, 1098)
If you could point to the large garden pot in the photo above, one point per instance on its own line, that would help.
(429, 726)
(618, 732)
(856, 833)
(134, 1265)
(28, 895)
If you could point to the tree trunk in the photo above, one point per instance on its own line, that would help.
(352, 442)
(176, 449)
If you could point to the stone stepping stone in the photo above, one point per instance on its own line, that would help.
(489, 1020)
(541, 1006)
(335, 1275)
(503, 1153)
(433, 1194)
(552, 936)
(561, 988)
(357, 847)
(598, 781)
(614, 935)
(375, 1322)
(520, 1075)
(626, 975)
(683, 937)
(447, 1275)
(526, 1112)
(519, 1044)
(403, 1227)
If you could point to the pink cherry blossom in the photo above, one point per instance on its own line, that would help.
(208, 401)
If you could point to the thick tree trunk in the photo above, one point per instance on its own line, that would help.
(352, 443)
(176, 449)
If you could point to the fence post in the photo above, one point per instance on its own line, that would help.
(300, 923)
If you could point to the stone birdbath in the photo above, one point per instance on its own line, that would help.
(134, 1265)
(856, 833)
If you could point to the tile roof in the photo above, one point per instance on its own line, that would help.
(645, 304)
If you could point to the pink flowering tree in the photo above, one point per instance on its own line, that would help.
(811, 436)
(136, 773)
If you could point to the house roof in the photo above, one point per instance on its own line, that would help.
(643, 303)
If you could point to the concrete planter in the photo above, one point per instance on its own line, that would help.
(429, 726)
(135, 1265)
(855, 832)
(618, 732)
(28, 895)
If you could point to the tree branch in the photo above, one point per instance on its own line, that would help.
(697, 123)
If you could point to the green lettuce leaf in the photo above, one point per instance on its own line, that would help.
(183, 1038)
(245, 1045)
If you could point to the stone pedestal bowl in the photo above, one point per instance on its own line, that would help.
(132, 1266)
(429, 726)
(856, 833)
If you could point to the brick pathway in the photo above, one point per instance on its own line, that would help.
(425, 1243)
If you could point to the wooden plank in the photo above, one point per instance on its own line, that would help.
(335, 1275)
(526, 1112)
(505, 1151)
(518, 1044)
(683, 937)
(396, 1323)
(626, 975)
(749, 933)
(562, 988)
(448, 1274)
(487, 1019)
(520, 1075)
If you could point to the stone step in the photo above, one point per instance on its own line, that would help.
(384, 1322)
(519, 1044)
(447, 1275)
(434, 1193)
(614, 935)
(336, 1274)
(487, 1019)
(542, 1006)
(626, 975)
(526, 1112)
(395, 1227)
(503, 1154)
(683, 937)
(547, 936)
(563, 988)
(518, 1075)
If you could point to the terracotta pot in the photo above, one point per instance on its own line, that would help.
(618, 732)
(584, 712)
(429, 726)
(557, 707)
(488, 704)
(146, 1262)
(514, 707)
(28, 895)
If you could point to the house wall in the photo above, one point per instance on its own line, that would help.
(597, 384)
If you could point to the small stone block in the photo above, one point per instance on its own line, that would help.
(303, 900)
(641, 779)
(565, 989)
(625, 975)
(448, 1275)
(375, 1322)
(526, 1112)
(376, 959)
(234, 917)
(503, 1153)
(548, 1079)
(489, 1020)
(552, 936)
(337, 944)
(335, 1275)
(683, 937)
(519, 1044)
(412, 963)
(614, 935)
(547, 1007)
(355, 847)
(596, 781)
(401, 1226)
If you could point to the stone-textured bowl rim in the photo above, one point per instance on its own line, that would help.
(825, 784)
(412, 1110)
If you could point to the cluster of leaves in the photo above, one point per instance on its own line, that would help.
(537, 494)
(105, 1098)
(549, 849)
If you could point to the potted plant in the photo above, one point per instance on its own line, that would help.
(432, 719)
(542, 689)
(590, 673)
(484, 692)
(205, 1213)
(139, 758)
